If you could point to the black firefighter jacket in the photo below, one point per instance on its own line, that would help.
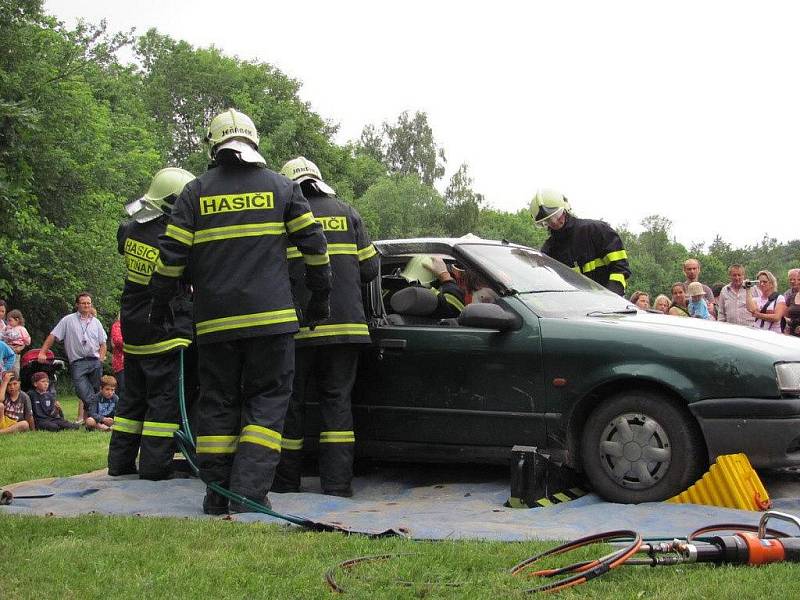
(354, 262)
(232, 226)
(138, 243)
(593, 248)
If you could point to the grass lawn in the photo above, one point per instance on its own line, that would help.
(95, 556)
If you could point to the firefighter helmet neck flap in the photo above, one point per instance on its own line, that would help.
(164, 188)
(301, 169)
(235, 133)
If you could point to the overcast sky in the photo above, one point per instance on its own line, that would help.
(684, 109)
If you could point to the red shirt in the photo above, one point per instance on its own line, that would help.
(117, 357)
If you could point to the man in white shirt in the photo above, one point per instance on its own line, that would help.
(732, 306)
(85, 343)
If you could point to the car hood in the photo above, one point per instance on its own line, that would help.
(698, 330)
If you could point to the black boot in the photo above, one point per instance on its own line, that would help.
(214, 503)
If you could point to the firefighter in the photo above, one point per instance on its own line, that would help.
(588, 246)
(326, 358)
(431, 272)
(229, 231)
(148, 414)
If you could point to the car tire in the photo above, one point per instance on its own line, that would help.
(641, 446)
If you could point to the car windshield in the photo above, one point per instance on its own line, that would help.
(550, 288)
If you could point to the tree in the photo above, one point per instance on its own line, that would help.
(402, 206)
(406, 147)
(462, 203)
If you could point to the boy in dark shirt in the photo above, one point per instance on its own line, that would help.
(47, 411)
(102, 405)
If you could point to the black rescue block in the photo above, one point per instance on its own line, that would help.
(538, 479)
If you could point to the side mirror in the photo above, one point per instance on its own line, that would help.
(487, 316)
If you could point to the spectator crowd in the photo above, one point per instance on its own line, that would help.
(753, 303)
(27, 380)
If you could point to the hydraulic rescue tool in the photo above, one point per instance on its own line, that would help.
(746, 545)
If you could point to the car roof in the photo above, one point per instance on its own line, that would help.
(433, 244)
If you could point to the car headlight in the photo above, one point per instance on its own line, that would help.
(788, 377)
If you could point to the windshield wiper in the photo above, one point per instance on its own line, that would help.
(603, 313)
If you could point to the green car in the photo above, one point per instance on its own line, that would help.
(639, 402)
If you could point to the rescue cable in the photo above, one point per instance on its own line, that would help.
(743, 547)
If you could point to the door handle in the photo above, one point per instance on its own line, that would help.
(390, 344)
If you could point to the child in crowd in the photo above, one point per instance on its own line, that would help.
(16, 336)
(7, 358)
(102, 405)
(15, 408)
(698, 307)
(47, 411)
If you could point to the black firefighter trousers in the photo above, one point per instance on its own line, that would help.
(147, 417)
(245, 388)
(323, 374)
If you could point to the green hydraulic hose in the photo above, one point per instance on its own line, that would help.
(185, 441)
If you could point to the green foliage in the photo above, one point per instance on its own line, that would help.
(406, 147)
(514, 227)
(463, 204)
(402, 206)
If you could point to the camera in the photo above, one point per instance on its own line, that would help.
(748, 283)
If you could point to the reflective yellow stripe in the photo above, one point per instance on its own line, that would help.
(368, 252)
(337, 437)
(136, 278)
(293, 252)
(255, 434)
(217, 444)
(270, 317)
(618, 277)
(300, 222)
(292, 444)
(616, 255)
(127, 425)
(230, 232)
(331, 330)
(544, 502)
(156, 348)
(168, 271)
(562, 497)
(592, 265)
(454, 302)
(576, 268)
(606, 260)
(156, 429)
(316, 259)
(181, 235)
(342, 249)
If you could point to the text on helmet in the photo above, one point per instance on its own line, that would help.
(211, 205)
(231, 131)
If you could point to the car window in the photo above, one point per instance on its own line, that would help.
(550, 288)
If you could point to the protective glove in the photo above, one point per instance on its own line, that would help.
(318, 309)
(160, 314)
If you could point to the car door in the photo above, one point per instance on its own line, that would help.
(460, 386)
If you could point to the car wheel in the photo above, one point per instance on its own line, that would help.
(641, 447)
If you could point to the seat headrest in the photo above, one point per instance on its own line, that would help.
(415, 301)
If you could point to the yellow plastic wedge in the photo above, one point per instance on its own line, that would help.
(730, 482)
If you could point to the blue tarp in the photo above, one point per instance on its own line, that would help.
(429, 503)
